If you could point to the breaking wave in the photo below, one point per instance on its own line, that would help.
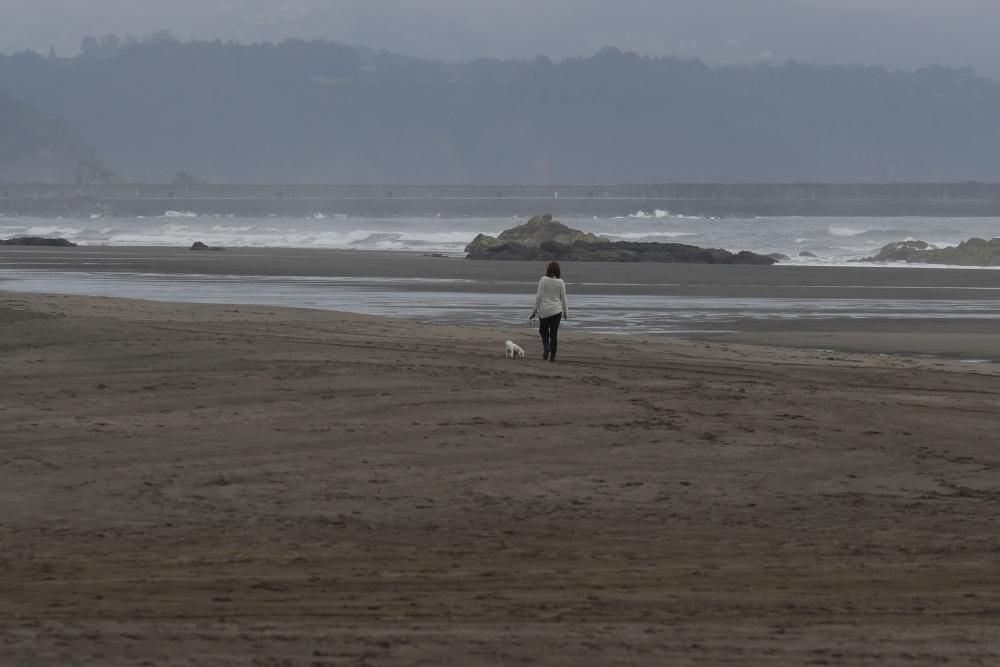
(820, 240)
(852, 231)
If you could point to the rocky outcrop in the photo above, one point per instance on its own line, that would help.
(38, 241)
(198, 245)
(532, 234)
(974, 252)
(543, 229)
(543, 239)
(901, 251)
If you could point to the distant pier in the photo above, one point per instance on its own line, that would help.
(714, 200)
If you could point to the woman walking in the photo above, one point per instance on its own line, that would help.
(551, 308)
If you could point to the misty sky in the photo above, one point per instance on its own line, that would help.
(894, 33)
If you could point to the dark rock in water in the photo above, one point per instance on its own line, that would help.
(778, 257)
(974, 252)
(198, 245)
(747, 257)
(806, 253)
(620, 251)
(538, 230)
(542, 229)
(38, 240)
(901, 251)
(543, 239)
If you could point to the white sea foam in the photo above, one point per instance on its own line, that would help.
(51, 231)
(647, 215)
(843, 230)
(862, 230)
(833, 241)
(272, 235)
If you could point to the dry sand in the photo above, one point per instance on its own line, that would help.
(232, 485)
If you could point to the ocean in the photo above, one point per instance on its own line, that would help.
(828, 240)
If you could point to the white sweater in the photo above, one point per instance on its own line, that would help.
(550, 299)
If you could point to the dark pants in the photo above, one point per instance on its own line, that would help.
(549, 328)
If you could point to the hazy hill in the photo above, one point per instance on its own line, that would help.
(321, 112)
(36, 148)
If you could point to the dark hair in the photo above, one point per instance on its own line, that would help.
(552, 270)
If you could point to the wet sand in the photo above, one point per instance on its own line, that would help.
(229, 485)
(960, 336)
(704, 279)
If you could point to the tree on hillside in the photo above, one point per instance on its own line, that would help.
(35, 147)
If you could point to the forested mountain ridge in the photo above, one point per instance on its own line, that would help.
(34, 147)
(315, 112)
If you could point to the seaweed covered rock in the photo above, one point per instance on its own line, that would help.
(542, 239)
(543, 229)
(198, 245)
(532, 234)
(631, 251)
(974, 252)
(900, 251)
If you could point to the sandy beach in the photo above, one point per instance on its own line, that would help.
(190, 484)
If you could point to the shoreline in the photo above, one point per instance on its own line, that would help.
(252, 483)
(344, 262)
(941, 312)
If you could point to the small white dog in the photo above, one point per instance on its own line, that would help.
(513, 350)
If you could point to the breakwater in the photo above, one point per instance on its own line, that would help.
(717, 200)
